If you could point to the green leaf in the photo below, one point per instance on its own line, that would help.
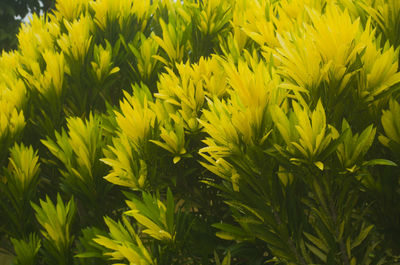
(379, 162)
(319, 165)
(361, 237)
(227, 259)
(170, 211)
(317, 252)
(231, 230)
(26, 250)
(176, 159)
(317, 242)
(89, 255)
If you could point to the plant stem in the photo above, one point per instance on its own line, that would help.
(345, 257)
(331, 212)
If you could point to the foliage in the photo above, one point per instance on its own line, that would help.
(79, 152)
(11, 15)
(26, 251)
(18, 188)
(202, 132)
(56, 220)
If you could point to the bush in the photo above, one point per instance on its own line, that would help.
(202, 132)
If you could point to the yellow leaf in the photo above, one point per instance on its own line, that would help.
(319, 165)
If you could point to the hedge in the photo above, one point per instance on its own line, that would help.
(202, 132)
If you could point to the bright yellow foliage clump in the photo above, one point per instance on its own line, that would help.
(279, 107)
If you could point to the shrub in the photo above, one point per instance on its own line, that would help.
(202, 132)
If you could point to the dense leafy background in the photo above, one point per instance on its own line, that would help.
(12, 12)
(202, 132)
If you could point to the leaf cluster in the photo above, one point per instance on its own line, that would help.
(202, 132)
